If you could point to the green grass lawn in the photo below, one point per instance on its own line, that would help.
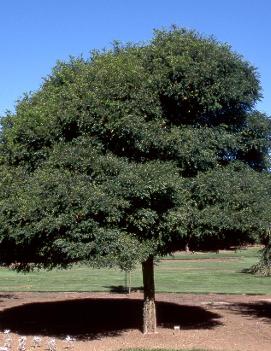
(185, 273)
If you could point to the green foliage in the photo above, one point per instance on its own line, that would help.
(263, 266)
(229, 206)
(135, 152)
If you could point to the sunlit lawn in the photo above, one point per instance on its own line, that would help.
(198, 273)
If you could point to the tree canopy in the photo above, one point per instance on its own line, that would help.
(132, 153)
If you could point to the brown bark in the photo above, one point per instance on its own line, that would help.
(149, 309)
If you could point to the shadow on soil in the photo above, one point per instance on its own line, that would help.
(261, 309)
(4, 297)
(93, 318)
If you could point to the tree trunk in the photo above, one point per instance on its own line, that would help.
(149, 310)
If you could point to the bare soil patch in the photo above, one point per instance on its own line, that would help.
(103, 321)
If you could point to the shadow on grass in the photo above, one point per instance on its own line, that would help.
(93, 318)
(121, 289)
(261, 309)
(248, 271)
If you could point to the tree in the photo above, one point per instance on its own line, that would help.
(263, 266)
(124, 157)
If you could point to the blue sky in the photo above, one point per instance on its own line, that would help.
(37, 33)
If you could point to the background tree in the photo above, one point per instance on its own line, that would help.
(126, 156)
(263, 266)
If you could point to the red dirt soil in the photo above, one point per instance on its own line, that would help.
(103, 321)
